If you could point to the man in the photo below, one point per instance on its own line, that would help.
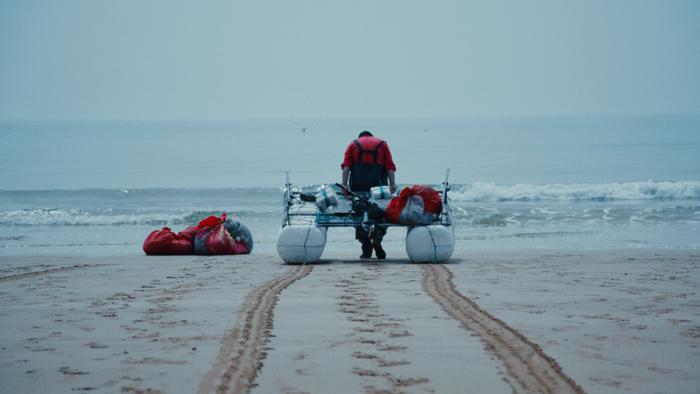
(368, 163)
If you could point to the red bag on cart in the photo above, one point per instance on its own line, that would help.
(417, 204)
(166, 242)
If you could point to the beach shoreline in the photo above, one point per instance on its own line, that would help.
(624, 320)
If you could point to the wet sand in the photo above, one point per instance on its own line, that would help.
(497, 322)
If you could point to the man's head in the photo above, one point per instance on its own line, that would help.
(365, 134)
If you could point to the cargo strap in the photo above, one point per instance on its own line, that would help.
(306, 252)
(374, 152)
(434, 245)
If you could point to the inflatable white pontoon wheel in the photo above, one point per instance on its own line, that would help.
(301, 244)
(430, 244)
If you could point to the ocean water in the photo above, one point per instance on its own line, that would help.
(99, 187)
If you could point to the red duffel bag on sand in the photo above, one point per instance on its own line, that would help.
(431, 201)
(166, 242)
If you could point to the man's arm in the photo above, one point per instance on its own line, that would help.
(392, 180)
(390, 167)
(346, 176)
(347, 163)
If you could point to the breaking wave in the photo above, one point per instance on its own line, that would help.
(107, 217)
(625, 191)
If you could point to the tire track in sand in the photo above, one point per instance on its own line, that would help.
(43, 272)
(527, 368)
(242, 349)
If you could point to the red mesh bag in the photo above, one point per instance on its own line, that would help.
(241, 248)
(219, 241)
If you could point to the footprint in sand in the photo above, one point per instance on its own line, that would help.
(372, 334)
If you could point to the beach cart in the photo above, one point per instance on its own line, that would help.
(309, 212)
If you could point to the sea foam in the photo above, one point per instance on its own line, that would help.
(649, 190)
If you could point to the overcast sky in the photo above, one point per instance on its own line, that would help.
(222, 59)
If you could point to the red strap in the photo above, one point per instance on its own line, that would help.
(374, 152)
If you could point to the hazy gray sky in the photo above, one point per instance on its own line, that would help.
(201, 59)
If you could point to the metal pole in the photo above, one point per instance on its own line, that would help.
(287, 201)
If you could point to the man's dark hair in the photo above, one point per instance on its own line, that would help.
(365, 134)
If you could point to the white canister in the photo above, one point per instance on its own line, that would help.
(380, 193)
(326, 197)
(430, 244)
(301, 244)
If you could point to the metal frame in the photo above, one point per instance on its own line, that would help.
(294, 207)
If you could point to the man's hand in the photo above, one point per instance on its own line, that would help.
(392, 188)
(345, 190)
